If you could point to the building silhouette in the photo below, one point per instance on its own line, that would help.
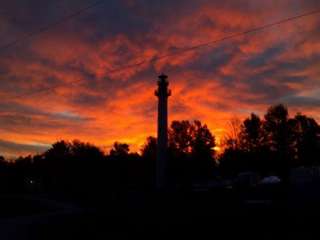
(162, 137)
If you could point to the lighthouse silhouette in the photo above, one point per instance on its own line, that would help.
(162, 137)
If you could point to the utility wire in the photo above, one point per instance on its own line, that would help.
(51, 25)
(191, 48)
(225, 38)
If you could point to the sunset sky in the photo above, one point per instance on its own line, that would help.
(87, 100)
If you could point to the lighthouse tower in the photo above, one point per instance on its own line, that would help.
(162, 93)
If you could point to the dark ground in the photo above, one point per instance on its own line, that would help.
(220, 214)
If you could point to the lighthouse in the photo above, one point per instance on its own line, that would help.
(162, 137)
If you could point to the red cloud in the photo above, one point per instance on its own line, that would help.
(110, 81)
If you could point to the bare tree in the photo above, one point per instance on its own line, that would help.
(232, 137)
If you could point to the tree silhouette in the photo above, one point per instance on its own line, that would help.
(277, 134)
(306, 139)
(191, 150)
(202, 150)
(85, 151)
(251, 134)
(180, 136)
(235, 158)
(232, 139)
(60, 151)
(276, 127)
(179, 164)
(191, 138)
(233, 161)
(273, 144)
(119, 151)
(69, 167)
(149, 157)
(3, 163)
(149, 149)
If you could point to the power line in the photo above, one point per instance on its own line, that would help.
(51, 25)
(225, 38)
(194, 47)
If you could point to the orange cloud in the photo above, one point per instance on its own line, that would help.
(100, 73)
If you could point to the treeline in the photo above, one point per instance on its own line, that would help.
(79, 168)
(268, 146)
(272, 145)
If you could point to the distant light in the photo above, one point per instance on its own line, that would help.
(31, 181)
(217, 148)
